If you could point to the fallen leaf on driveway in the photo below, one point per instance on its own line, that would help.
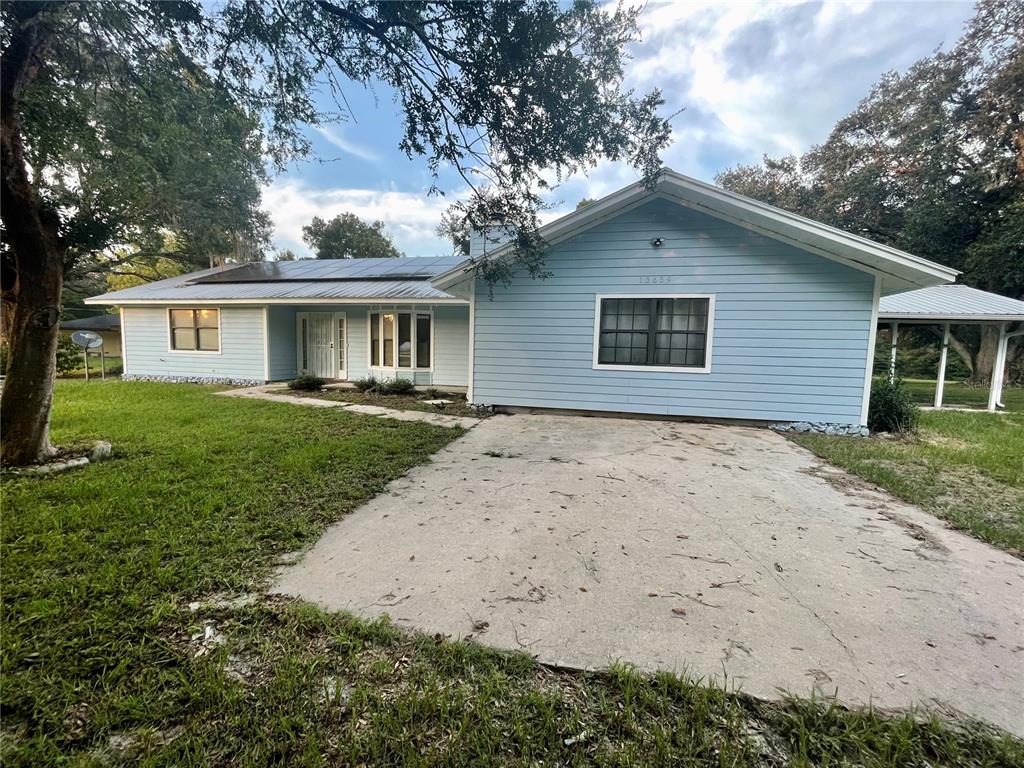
(679, 611)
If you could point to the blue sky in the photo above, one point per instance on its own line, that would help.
(752, 78)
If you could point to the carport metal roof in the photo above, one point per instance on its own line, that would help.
(954, 303)
(947, 305)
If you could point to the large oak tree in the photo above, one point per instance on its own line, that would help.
(508, 94)
(931, 161)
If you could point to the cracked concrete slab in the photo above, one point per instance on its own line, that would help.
(708, 550)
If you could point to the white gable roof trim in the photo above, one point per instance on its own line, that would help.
(943, 303)
(899, 270)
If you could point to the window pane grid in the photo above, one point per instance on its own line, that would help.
(195, 330)
(653, 331)
(400, 340)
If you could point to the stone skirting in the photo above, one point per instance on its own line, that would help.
(194, 380)
(821, 428)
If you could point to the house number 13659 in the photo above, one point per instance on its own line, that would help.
(655, 279)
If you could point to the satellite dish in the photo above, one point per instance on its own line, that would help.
(87, 339)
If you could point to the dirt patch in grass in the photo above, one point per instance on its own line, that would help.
(963, 493)
(962, 467)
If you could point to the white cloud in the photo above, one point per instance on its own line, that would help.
(336, 138)
(766, 78)
(409, 217)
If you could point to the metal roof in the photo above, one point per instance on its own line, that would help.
(950, 302)
(316, 280)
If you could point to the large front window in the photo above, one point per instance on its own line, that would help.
(671, 332)
(194, 330)
(400, 339)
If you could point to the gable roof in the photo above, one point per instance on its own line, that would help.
(307, 280)
(950, 302)
(898, 270)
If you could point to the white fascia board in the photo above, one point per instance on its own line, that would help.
(953, 318)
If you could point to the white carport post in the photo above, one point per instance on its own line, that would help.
(895, 332)
(941, 383)
(995, 393)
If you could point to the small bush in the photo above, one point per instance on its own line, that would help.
(69, 355)
(307, 383)
(432, 393)
(369, 384)
(891, 408)
(397, 387)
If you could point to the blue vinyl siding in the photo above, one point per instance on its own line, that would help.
(241, 346)
(790, 328)
(450, 347)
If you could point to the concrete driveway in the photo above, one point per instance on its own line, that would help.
(708, 550)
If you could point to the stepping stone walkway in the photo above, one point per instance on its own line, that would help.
(266, 392)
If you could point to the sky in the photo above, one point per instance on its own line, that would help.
(751, 78)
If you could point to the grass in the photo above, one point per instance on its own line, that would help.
(411, 402)
(112, 362)
(965, 468)
(122, 642)
(960, 393)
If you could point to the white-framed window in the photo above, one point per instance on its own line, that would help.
(193, 329)
(401, 340)
(654, 332)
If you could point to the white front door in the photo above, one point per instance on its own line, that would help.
(321, 344)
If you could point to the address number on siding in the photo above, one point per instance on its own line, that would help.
(655, 279)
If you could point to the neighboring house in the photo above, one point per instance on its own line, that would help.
(107, 326)
(682, 300)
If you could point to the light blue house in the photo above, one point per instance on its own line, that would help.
(682, 300)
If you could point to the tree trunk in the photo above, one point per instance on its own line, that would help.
(986, 357)
(34, 264)
(32, 349)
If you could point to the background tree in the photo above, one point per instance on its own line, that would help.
(455, 229)
(932, 162)
(116, 117)
(346, 236)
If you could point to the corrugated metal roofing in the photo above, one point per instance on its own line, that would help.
(950, 302)
(311, 279)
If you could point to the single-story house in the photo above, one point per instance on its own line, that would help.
(107, 326)
(682, 300)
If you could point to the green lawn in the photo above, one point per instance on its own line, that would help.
(959, 393)
(112, 363)
(106, 659)
(966, 468)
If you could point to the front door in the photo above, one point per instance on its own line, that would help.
(321, 344)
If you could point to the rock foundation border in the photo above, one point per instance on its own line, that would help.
(821, 428)
(195, 380)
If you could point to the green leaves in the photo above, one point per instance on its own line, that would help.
(346, 236)
(931, 161)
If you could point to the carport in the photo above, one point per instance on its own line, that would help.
(946, 305)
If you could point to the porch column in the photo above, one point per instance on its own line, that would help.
(995, 393)
(941, 383)
(895, 332)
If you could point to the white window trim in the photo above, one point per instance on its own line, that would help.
(220, 345)
(654, 368)
(394, 370)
